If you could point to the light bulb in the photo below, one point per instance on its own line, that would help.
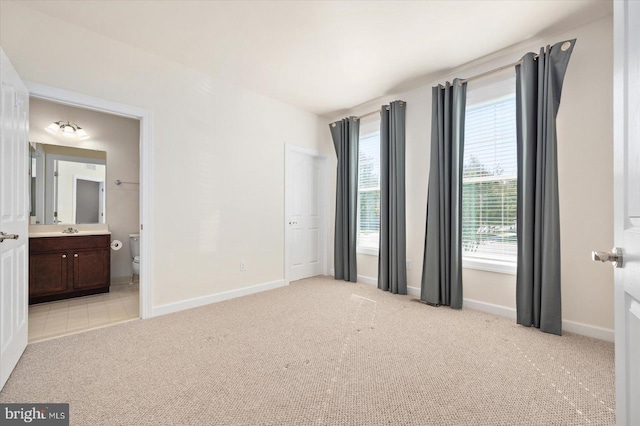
(82, 135)
(53, 128)
(68, 131)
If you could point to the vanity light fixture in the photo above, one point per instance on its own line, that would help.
(67, 129)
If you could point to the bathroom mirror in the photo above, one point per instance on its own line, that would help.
(67, 185)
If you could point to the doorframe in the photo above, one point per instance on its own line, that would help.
(145, 117)
(39, 192)
(620, 116)
(290, 149)
(101, 197)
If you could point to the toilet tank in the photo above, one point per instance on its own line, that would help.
(134, 240)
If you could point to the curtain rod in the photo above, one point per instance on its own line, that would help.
(493, 71)
(360, 117)
(474, 77)
(487, 73)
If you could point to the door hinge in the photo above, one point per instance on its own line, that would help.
(141, 227)
(55, 174)
(17, 102)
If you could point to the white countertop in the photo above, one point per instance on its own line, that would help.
(38, 231)
(61, 234)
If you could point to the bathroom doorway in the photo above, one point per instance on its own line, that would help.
(125, 299)
(88, 199)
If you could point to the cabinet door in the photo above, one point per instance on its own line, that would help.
(48, 273)
(90, 269)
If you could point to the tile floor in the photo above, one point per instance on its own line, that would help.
(62, 317)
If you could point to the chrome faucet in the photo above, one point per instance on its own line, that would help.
(70, 230)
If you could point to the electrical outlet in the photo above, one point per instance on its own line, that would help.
(243, 266)
(408, 264)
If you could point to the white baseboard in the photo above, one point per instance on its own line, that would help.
(412, 291)
(594, 331)
(490, 308)
(361, 278)
(588, 330)
(214, 298)
(367, 280)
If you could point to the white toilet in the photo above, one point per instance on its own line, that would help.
(134, 240)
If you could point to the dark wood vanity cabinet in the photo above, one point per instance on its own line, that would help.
(64, 267)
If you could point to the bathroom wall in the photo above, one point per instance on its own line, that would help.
(119, 137)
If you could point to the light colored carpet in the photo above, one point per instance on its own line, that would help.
(321, 352)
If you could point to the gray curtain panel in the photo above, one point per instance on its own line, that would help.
(392, 255)
(538, 89)
(442, 264)
(345, 134)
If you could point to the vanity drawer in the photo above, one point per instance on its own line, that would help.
(69, 243)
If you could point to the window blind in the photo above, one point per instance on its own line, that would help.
(489, 186)
(369, 191)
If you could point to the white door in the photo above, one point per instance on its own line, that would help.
(627, 208)
(14, 216)
(304, 215)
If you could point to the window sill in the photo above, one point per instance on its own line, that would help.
(370, 251)
(489, 265)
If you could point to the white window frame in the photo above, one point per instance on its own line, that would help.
(494, 88)
(367, 128)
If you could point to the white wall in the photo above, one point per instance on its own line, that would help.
(585, 165)
(217, 154)
(119, 137)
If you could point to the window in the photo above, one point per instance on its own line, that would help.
(489, 184)
(369, 192)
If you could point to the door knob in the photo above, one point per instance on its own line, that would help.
(4, 236)
(614, 256)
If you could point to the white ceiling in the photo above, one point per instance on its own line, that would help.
(324, 56)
